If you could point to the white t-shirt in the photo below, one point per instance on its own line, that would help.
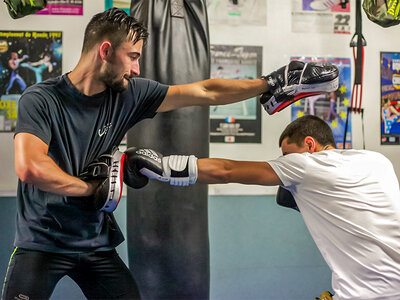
(350, 202)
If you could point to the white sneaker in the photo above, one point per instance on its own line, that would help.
(323, 4)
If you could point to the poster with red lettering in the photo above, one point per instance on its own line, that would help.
(321, 16)
(63, 7)
(237, 122)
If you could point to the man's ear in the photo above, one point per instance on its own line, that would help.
(105, 50)
(311, 144)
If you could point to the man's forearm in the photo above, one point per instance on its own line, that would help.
(215, 170)
(47, 176)
(212, 92)
(182, 170)
(226, 91)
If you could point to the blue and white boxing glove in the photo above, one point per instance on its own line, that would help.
(178, 170)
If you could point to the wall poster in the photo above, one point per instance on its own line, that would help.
(238, 122)
(122, 4)
(320, 16)
(390, 98)
(239, 12)
(331, 107)
(63, 7)
(26, 58)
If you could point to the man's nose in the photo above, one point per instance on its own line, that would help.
(135, 69)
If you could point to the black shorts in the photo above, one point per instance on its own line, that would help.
(100, 275)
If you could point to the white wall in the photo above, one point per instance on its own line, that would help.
(278, 43)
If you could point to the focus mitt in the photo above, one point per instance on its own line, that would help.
(285, 198)
(107, 171)
(298, 80)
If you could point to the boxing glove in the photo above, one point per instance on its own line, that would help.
(179, 170)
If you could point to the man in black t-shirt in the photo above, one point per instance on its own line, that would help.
(63, 125)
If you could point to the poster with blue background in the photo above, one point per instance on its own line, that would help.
(331, 107)
(26, 58)
(390, 98)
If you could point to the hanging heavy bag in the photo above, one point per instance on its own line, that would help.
(21, 8)
(383, 12)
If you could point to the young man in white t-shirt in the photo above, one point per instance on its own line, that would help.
(349, 199)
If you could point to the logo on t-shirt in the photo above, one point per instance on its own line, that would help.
(105, 129)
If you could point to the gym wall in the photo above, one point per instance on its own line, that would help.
(257, 250)
(279, 44)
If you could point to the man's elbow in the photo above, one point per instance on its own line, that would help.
(27, 174)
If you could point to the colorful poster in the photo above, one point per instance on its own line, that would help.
(62, 7)
(331, 107)
(26, 58)
(390, 98)
(320, 16)
(248, 12)
(238, 122)
(123, 4)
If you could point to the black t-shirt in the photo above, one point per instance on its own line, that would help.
(77, 128)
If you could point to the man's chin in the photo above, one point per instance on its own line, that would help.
(119, 86)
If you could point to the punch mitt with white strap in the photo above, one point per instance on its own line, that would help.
(298, 80)
(179, 170)
(108, 171)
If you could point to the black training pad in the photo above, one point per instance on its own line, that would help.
(285, 198)
(168, 243)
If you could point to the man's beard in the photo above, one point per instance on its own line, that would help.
(108, 78)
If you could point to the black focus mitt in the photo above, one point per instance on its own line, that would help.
(296, 81)
(107, 171)
(285, 198)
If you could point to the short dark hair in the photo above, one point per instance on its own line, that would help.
(115, 25)
(308, 126)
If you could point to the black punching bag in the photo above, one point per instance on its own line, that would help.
(167, 227)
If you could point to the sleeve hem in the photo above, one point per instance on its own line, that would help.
(278, 172)
(36, 133)
(157, 105)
